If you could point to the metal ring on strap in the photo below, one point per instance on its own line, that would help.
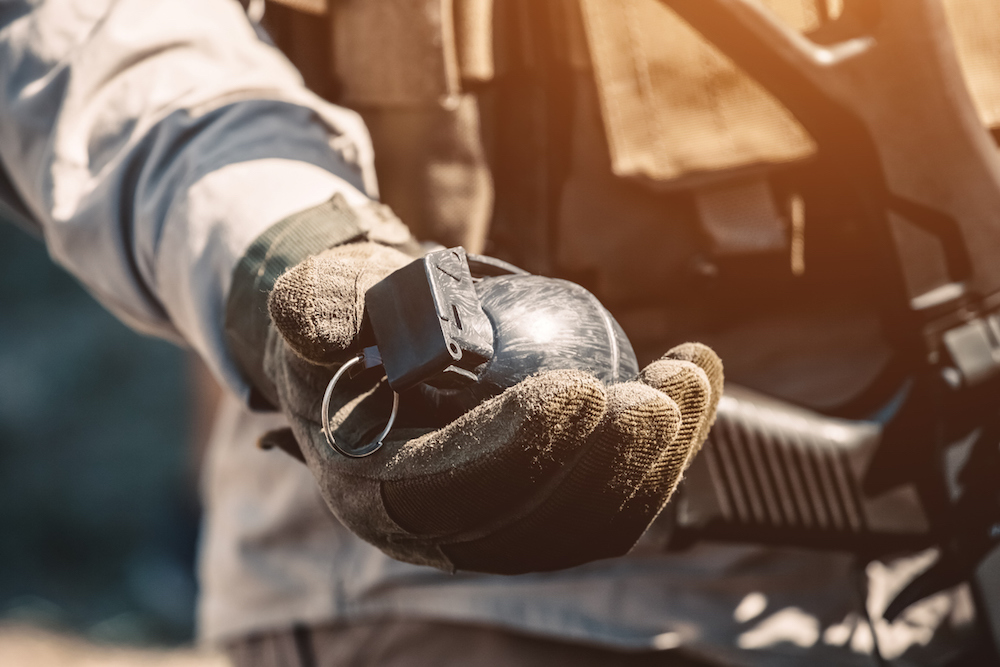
(375, 444)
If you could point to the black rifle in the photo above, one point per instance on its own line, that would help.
(923, 475)
(882, 93)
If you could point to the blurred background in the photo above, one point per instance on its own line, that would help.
(101, 432)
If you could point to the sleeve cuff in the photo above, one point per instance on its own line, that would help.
(281, 246)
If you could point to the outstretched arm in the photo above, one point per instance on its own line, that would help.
(151, 143)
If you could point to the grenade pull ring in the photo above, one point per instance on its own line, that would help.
(370, 358)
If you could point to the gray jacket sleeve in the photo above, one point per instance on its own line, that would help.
(151, 142)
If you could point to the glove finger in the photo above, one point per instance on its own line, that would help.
(580, 517)
(705, 358)
(318, 305)
(689, 386)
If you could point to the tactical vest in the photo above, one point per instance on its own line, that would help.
(607, 142)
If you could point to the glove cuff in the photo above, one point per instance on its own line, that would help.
(280, 247)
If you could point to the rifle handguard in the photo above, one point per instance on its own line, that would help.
(774, 473)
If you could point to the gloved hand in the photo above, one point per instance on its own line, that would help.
(556, 471)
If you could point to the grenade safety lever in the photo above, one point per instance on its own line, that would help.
(429, 326)
(428, 320)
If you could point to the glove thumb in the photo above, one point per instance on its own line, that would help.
(318, 305)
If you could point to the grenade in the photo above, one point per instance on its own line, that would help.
(462, 328)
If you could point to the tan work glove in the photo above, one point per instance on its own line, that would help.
(557, 471)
